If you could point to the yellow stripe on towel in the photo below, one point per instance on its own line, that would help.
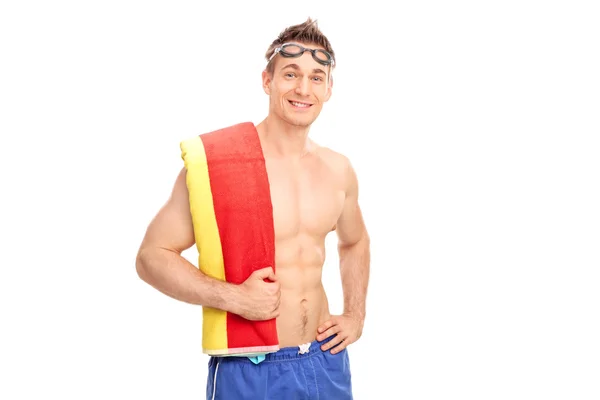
(208, 241)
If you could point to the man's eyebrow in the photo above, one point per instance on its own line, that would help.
(297, 67)
(293, 66)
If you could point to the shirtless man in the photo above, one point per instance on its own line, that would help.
(314, 192)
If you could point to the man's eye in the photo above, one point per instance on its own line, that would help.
(318, 78)
(290, 75)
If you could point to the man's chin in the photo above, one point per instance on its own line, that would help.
(303, 122)
(300, 124)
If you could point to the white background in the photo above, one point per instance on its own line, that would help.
(473, 127)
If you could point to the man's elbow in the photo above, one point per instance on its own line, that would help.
(365, 244)
(365, 239)
(362, 242)
(141, 264)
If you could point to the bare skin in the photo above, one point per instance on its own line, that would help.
(314, 191)
(308, 198)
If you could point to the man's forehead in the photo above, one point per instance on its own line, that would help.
(294, 65)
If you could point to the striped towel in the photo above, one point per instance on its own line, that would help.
(230, 203)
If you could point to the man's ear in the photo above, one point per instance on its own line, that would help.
(266, 81)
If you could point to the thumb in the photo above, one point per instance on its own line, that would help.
(265, 273)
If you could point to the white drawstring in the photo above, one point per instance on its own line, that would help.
(215, 381)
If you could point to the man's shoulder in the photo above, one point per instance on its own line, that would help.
(341, 165)
(336, 160)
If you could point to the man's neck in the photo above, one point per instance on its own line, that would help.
(281, 139)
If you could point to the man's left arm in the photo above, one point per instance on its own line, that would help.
(354, 254)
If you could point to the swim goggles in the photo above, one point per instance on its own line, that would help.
(293, 50)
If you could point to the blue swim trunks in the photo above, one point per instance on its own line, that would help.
(302, 372)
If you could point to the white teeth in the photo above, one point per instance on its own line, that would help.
(300, 104)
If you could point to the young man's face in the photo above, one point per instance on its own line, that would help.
(298, 88)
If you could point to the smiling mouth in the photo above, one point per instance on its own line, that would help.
(299, 104)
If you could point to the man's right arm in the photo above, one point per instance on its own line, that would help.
(160, 264)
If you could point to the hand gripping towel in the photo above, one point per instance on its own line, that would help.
(232, 214)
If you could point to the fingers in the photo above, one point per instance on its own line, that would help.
(265, 273)
(274, 289)
(332, 343)
(325, 326)
(275, 311)
(335, 329)
(341, 346)
(330, 328)
(274, 314)
(271, 275)
(277, 304)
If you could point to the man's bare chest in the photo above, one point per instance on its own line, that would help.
(305, 200)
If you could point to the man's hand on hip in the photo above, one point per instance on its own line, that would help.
(347, 329)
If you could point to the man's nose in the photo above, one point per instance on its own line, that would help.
(303, 87)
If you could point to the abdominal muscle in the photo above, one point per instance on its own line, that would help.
(304, 305)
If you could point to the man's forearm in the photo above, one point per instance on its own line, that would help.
(355, 267)
(173, 275)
